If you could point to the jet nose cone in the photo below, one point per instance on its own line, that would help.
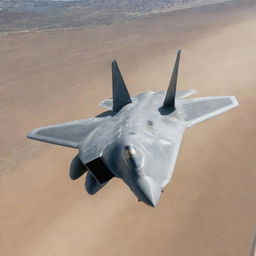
(149, 191)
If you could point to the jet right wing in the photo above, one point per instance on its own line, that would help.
(68, 134)
(200, 109)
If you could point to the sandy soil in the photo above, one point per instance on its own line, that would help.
(209, 207)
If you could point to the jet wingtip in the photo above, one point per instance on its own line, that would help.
(31, 134)
(235, 101)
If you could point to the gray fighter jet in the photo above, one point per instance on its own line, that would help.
(137, 140)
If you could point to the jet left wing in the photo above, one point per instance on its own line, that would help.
(68, 134)
(200, 109)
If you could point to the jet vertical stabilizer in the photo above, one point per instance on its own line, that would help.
(121, 95)
(169, 100)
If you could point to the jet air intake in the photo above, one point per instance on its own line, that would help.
(99, 170)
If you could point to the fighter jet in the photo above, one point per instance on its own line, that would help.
(137, 139)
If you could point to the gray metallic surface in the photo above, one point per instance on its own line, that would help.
(139, 142)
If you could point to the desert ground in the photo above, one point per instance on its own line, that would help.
(208, 209)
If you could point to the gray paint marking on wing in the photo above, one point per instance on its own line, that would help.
(138, 140)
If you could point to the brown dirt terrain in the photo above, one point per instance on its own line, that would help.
(208, 208)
